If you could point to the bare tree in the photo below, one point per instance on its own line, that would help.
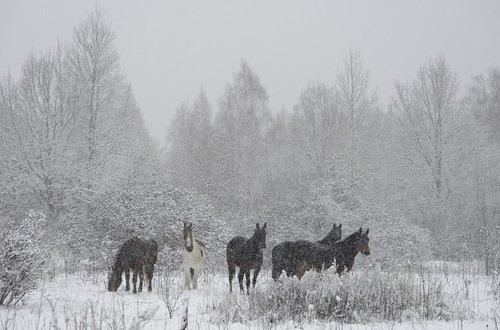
(70, 126)
(439, 140)
(356, 104)
(38, 122)
(321, 126)
(190, 145)
(96, 70)
(240, 135)
(484, 99)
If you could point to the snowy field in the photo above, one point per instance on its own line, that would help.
(468, 300)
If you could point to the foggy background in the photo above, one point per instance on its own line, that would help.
(169, 50)
(120, 120)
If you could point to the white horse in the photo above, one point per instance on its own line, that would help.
(192, 257)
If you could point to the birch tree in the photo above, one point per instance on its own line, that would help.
(96, 70)
(38, 123)
(240, 129)
(439, 141)
(357, 106)
(484, 99)
(190, 144)
(321, 126)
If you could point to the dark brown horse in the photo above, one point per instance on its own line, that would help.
(318, 256)
(136, 255)
(246, 254)
(283, 254)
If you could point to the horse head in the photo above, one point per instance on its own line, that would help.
(188, 235)
(260, 236)
(364, 240)
(114, 279)
(334, 235)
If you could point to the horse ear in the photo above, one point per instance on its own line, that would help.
(264, 227)
(340, 225)
(367, 231)
(360, 230)
(257, 226)
(334, 225)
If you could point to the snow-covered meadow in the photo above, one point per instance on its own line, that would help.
(435, 296)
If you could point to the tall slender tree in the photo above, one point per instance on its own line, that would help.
(439, 140)
(321, 126)
(240, 129)
(357, 106)
(96, 70)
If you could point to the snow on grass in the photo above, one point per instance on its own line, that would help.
(426, 297)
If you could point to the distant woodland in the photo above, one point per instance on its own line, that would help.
(421, 172)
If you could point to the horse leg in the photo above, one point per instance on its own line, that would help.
(301, 270)
(195, 278)
(148, 272)
(146, 276)
(141, 277)
(255, 274)
(127, 279)
(340, 269)
(318, 268)
(247, 278)
(276, 272)
(134, 280)
(187, 278)
(240, 279)
(232, 270)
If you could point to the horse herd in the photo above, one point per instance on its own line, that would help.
(294, 258)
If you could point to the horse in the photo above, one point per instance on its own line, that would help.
(136, 255)
(246, 254)
(316, 255)
(283, 253)
(192, 257)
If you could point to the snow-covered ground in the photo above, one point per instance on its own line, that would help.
(80, 301)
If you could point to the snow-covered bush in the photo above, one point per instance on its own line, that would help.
(309, 211)
(155, 211)
(356, 297)
(22, 257)
(395, 242)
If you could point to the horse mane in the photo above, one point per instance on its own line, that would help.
(193, 239)
(350, 239)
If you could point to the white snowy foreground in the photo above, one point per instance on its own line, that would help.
(81, 301)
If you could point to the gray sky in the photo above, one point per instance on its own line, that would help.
(169, 50)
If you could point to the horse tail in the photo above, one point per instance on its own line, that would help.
(275, 257)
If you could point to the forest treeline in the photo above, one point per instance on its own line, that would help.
(420, 172)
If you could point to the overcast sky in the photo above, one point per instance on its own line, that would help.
(169, 50)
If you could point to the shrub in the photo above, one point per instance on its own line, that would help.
(22, 257)
(156, 211)
(352, 298)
